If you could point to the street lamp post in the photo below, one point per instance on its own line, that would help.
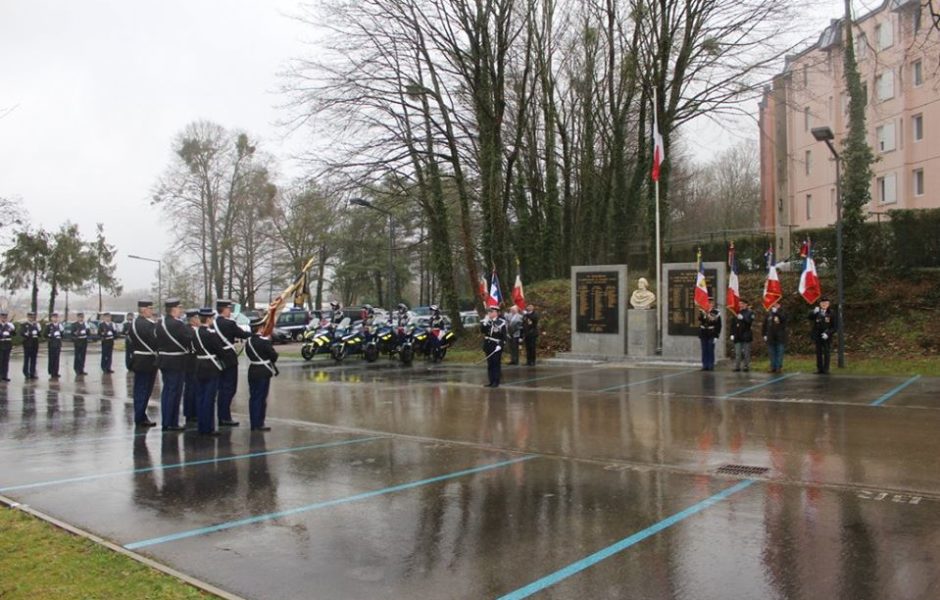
(159, 274)
(391, 236)
(824, 134)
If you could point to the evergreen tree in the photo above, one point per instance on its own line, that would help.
(104, 254)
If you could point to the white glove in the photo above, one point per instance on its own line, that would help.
(825, 336)
(740, 317)
(816, 310)
(732, 338)
(498, 348)
(765, 338)
(714, 340)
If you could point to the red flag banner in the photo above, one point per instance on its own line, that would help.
(810, 288)
(773, 291)
(734, 293)
(518, 294)
(701, 286)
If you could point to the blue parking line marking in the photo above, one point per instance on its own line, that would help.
(759, 385)
(593, 559)
(893, 392)
(193, 463)
(325, 504)
(626, 385)
(549, 377)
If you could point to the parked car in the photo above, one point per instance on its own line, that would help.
(469, 318)
(280, 336)
(293, 321)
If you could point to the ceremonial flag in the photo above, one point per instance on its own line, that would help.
(495, 298)
(773, 291)
(701, 288)
(734, 294)
(659, 148)
(484, 296)
(810, 287)
(518, 295)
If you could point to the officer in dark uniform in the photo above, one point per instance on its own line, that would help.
(742, 336)
(436, 325)
(262, 368)
(80, 341)
(228, 331)
(7, 331)
(190, 382)
(30, 333)
(53, 334)
(107, 333)
(775, 334)
(530, 333)
(174, 339)
(494, 330)
(208, 349)
(142, 338)
(128, 346)
(825, 324)
(709, 330)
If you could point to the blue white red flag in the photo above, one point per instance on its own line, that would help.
(495, 296)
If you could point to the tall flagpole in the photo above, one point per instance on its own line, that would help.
(659, 257)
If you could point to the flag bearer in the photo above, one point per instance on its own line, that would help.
(262, 356)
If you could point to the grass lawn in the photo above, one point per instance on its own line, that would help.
(39, 560)
(896, 367)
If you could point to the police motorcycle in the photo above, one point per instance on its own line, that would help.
(349, 339)
(437, 337)
(319, 337)
(375, 336)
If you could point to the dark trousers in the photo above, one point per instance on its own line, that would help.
(206, 392)
(775, 349)
(53, 362)
(494, 367)
(107, 352)
(514, 350)
(5, 350)
(708, 353)
(258, 400)
(171, 396)
(191, 391)
(822, 355)
(30, 354)
(530, 343)
(128, 353)
(79, 361)
(228, 385)
(143, 388)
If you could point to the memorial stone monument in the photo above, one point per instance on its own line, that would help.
(641, 321)
(598, 310)
(680, 313)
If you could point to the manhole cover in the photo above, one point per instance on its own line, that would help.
(748, 470)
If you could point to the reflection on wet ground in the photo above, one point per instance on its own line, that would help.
(378, 481)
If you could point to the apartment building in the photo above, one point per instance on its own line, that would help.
(898, 53)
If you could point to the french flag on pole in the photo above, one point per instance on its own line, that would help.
(701, 286)
(482, 291)
(773, 290)
(810, 288)
(518, 294)
(495, 298)
(734, 293)
(659, 148)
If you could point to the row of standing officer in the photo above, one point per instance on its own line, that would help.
(171, 346)
(32, 334)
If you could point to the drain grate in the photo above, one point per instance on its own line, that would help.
(748, 470)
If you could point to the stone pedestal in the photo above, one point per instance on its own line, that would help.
(641, 324)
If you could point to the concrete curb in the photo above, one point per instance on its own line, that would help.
(187, 579)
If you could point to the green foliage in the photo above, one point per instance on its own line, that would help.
(70, 264)
(24, 263)
(916, 238)
(104, 266)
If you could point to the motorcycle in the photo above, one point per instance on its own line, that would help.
(317, 341)
(380, 340)
(437, 352)
(348, 341)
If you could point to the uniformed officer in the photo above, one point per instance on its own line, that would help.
(30, 333)
(53, 334)
(143, 341)
(436, 325)
(825, 324)
(208, 349)
(107, 333)
(80, 341)
(262, 368)
(514, 323)
(174, 339)
(190, 382)
(530, 333)
(494, 339)
(228, 331)
(709, 330)
(742, 336)
(7, 331)
(128, 346)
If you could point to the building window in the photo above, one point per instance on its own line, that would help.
(916, 18)
(884, 35)
(809, 206)
(861, 46)
(886, 139)
(806, 119)
(917, 127)
(808, 158)
(887, 189)
(918, 182)
(884, 85)
(917, 72)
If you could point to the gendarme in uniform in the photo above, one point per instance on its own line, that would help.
(228, 331)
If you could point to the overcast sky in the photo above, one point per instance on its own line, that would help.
(99, 89)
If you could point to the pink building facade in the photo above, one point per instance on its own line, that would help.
(899, 60)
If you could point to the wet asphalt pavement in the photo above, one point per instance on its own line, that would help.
(379, 481)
